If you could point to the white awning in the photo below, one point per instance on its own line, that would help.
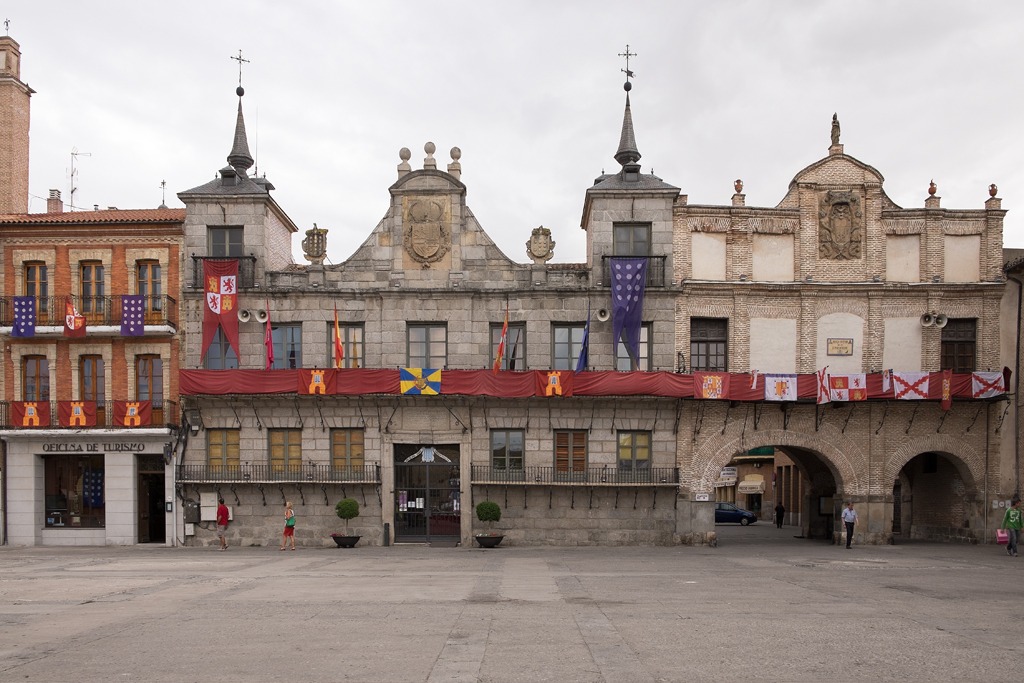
(750, 487)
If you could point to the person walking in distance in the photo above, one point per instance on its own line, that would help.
(850, 519)
(780, 513)
(289, 526)
(1013, 520)
(222, 523)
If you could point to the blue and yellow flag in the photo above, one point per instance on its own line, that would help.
(424, 381)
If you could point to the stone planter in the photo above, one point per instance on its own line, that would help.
(488, 541)
(344, 541)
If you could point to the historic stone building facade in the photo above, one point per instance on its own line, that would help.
(835, 276)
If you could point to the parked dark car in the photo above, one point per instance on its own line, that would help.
(726, 513)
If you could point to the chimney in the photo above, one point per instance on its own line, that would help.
(53, 202)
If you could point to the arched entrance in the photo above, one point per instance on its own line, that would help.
(935, 499)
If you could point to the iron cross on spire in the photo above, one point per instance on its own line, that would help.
(627, 54)
(240, 61)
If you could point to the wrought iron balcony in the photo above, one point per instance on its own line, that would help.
(246, 270)
(309, 472)
(655, 271)
(164, 414)
(99, 311)
(590, 476)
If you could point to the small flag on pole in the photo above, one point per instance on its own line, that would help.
(339, 349)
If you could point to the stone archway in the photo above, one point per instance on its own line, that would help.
(829, 472)
(940, 479)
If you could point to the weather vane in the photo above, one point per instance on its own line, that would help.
(163, 192)
(627, 54)
(239, 60)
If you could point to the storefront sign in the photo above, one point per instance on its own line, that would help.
(115, 447)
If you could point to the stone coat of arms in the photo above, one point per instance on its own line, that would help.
(427, 234)
(840, 226)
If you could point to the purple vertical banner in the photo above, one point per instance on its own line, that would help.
(133, 315)
(629, 276)
(24, 317)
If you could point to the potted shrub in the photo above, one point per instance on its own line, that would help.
(346, 508)
(488, 512)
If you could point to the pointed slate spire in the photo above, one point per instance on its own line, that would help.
(627, 153)
(239, 158)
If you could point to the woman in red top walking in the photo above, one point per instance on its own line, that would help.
(289, 526)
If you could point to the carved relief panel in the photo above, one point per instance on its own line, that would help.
(840, 226)
(428, 235)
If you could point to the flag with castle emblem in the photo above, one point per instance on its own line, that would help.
(74, 322)
(780, 387)
(133, 315)
(221, 309)
(30, 413)
(76, 413)
(24, 317)
(133, 413)
(851, 387)
(711, 385)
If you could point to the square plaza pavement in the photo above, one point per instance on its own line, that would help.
(763, 605)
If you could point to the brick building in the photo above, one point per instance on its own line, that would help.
(742, 307)
(88, 404)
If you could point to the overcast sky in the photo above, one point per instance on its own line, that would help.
(532, 94)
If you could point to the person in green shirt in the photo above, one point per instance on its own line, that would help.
(1013, 520)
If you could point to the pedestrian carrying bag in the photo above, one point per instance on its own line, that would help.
(1002, 536)
(291, 522)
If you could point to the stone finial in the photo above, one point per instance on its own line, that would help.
(404, 154)
(314, 246)
(430, 162)
(993, 190)
(455, 168)
(932, 188)
(738, 185)
(540, 247)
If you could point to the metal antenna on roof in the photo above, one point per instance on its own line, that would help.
(74, 174)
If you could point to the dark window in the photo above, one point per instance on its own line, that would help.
(566, 345)
(507, 449)
(222, 448)
(634, 450)
(285, 449)
(427, 346)
(149, 285)
(631, 239)
(74, 489)
(35, 378)
(570, 451)
(220, 355)
(149, 383)
(514, 357)
(347, 449)
(225, 242)
(92, 290)
(351, 345)
(959, 345)
(287, 340)
(91, 383)
(622, 359)
(709, 343)
(36, 284)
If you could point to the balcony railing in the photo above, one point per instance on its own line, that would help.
(655, 271)
(590, 476)
(164, 414)
(313, 473)
(98, 310)
(246, 270)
